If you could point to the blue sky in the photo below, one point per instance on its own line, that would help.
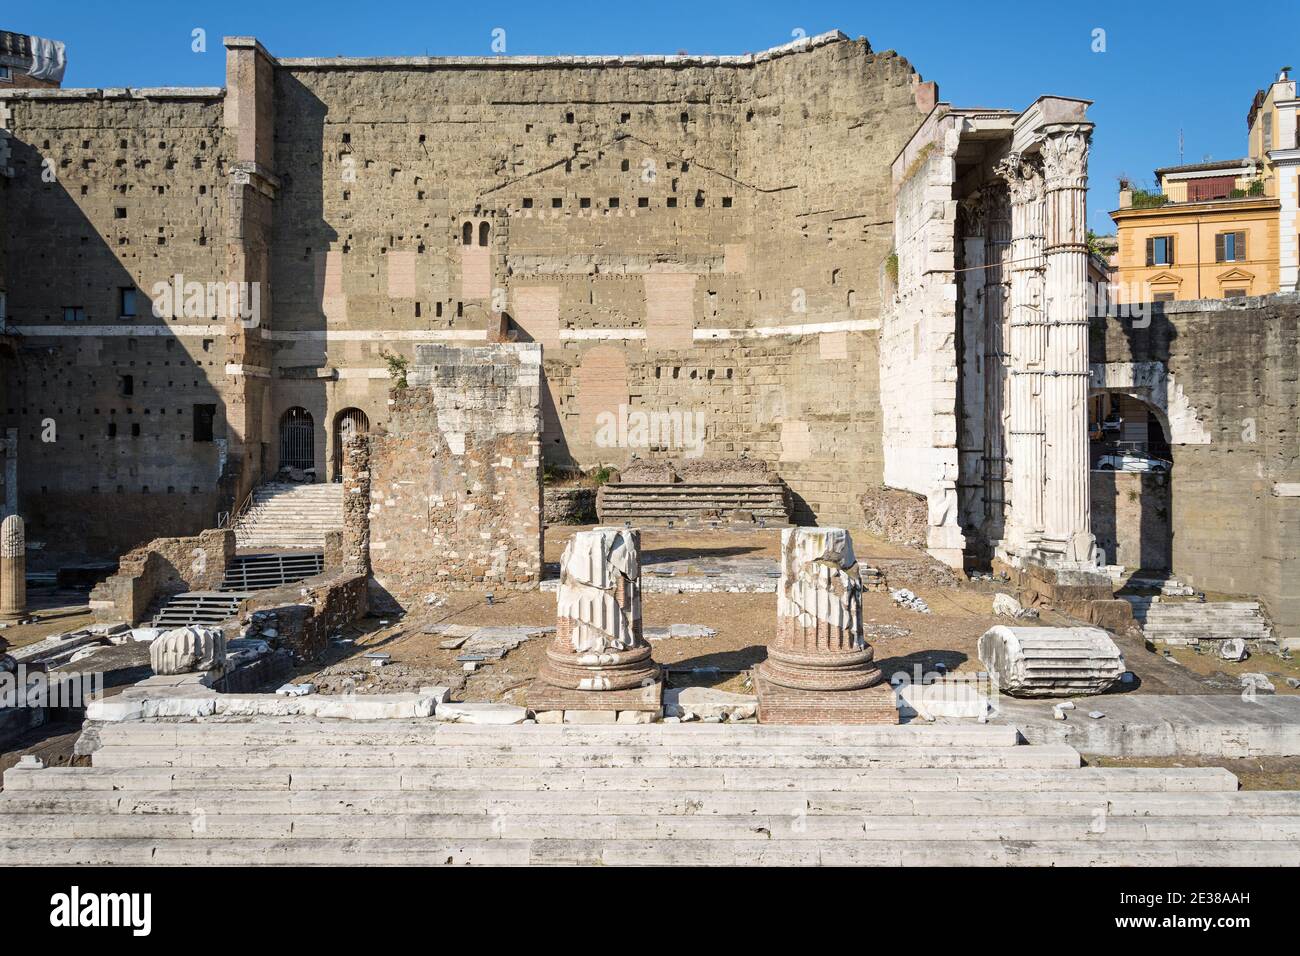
(1191, 66)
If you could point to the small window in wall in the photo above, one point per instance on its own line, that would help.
(528, 202)
(1160, 251)
(126, 302)
(112, 429)
(467, 234)
(484, 229)
(1234, 293)
(1230, 247)
(4, 74)
(74, 313)
(126, 384)
(557, 202)
(204, 416)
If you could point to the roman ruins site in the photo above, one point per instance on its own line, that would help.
(622, 459)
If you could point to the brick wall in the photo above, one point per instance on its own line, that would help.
(455, 475)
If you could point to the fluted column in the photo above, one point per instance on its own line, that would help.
(997, 249)
(598, 642)
(819, 644)
(1065, 386)
(13, 569)
(1027, 349)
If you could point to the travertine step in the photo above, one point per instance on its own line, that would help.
(425, 732)
(199, 607)
(685, 502)
(627, 755)
(290, 515)
(793, 824)
(618, 779)
(752, 852)
(1115, 803)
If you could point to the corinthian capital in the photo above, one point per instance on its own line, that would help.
(1065, 154)
(1024, 179)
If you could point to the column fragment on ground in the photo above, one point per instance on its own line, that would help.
(13, 568)
(819, 668)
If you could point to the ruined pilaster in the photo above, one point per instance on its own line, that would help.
(250, 117)
(1067, 513)
(13, 569)
(598, 642)
(971, 279)
(819, 643)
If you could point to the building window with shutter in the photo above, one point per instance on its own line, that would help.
(1230, 247)
(1160, 251)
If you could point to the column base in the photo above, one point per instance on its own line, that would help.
(609, 671)
(788, 705)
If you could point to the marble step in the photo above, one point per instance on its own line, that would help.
(575, 826)
(426, 732)
(749, 852)
(1099, 780)
(618, 756)
(1205, 803)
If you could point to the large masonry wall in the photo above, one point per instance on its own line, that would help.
(109, 191)
(680, 239)
(698, 239)
(1223, 377)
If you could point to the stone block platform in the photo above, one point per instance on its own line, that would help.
(785, 705)
(312, 791)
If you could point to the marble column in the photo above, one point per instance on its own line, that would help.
(598, 642)
(1067, 513)
(13, 569)
(972, 421)
(1027, 350)
(997, 250)
(819, 644)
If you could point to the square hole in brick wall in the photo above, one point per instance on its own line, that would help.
(643, 202)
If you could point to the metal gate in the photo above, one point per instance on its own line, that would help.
(347, 425)
(297, 439)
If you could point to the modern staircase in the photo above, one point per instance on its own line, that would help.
(311, 791)
(257, 572)
(290, 516)
(686, 504)
(1189, 622)
(246, 574)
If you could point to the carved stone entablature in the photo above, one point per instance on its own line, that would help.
(1065, 155)
(1024, 178)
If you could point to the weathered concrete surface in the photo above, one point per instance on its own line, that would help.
(1159, 725)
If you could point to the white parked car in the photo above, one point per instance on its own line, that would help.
(1128, 462)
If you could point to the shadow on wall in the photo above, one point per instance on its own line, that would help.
(306, 275)
(122, 435)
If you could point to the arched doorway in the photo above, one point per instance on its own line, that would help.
(297, 439)
(347, 425)
(1132, 481)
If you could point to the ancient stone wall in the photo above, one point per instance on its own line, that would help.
(696, 240)
(162, 568)
(1131, 518)
(455, 475)
(114, 191)
(1229, 386)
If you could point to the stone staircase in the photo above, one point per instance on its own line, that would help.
(311, 791)
(246, 574)
(290, 516)
(198, 607)
(1189, 622)
(683, 504)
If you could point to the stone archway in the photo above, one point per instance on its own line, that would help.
(1132, 509)
(348, 423)
(297, 439)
